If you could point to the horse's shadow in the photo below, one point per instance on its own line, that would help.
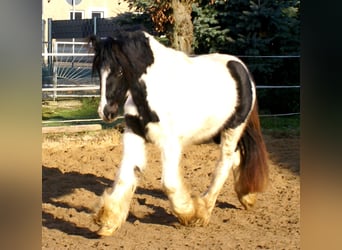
(159, 214)
(51, 222)
(55, 184)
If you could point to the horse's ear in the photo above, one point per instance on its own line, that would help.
(93, 41)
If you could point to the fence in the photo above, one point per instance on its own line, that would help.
(66, 64)
(71, 73)
(70, 69)
(81, 28)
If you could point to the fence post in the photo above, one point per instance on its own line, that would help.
(50, 59)
(95, 18)
(54, 69)
(54, 81)
(49, 40)
(43, 42)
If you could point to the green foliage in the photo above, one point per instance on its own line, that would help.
(251, 28)
(133, 18)
(244, 27)
(278, 101)
(255, 28)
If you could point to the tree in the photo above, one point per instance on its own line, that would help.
(172, 17)
(181, 33)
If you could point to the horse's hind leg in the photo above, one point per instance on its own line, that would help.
(183, 206)
(115, 203)
(247, 199)
(229, 157)
(197, 210)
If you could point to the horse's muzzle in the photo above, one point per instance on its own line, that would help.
(109, 112)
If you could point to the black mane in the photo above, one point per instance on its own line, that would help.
(130, 50)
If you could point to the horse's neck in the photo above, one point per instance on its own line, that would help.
(161, 52)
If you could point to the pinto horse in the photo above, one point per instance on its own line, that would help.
(171, 99)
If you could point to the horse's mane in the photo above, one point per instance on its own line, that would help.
(134, 46)
(129, 50)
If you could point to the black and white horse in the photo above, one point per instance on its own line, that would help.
(171, 99)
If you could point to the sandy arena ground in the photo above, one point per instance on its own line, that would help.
(76, 168)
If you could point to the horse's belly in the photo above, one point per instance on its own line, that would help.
(193, 129)
(193, 122)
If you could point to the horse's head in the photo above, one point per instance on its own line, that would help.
(113, 83)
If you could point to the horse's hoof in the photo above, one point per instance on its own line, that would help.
(106, 231)
(198, 222)
(199, 217)
(248, 200)
(105, 219)
(194, 221)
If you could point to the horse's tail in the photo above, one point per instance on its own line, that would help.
(253, 168)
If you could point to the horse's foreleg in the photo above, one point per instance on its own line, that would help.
(115, 202)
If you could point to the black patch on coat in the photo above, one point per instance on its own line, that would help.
(244, 92)
(128, 54)
(148, 115)
(135, 124)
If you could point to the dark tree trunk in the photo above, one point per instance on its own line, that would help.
(181, 34)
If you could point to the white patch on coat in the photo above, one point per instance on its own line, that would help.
(129, 107)
(192, 96)
(103, 101)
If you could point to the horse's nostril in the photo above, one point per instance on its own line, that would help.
(105, 112)
(110, 111)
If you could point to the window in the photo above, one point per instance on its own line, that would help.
(97, 14)
(78, 15)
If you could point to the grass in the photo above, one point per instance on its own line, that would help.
(86, 108)
(281, 125)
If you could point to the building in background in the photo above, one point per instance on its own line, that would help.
(80, 9)
(84, 9)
